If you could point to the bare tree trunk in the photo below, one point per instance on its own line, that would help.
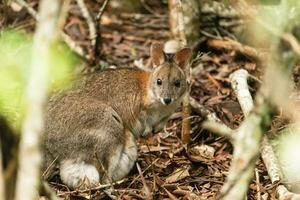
(29, 154)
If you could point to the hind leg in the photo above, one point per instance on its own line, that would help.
(100, 137)
(123, 160)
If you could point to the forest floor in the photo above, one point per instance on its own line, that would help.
(167, 169)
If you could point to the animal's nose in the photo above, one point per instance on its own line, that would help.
(167, 100)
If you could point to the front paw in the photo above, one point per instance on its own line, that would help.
(147, 131)
(159, 127)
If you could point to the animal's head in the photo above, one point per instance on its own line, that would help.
(168, 80)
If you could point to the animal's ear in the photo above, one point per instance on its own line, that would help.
(157, 54)
(182, 57)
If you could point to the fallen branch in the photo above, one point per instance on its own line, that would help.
(270, 161)
(29, 154)
(236, 46)
(66, 38)
(240, 87)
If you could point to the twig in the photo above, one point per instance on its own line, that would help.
(94, 188)
(90, 22)
(257, 184)
(66, 38)
(45, 174)
(73, 46)
(146, 188)
(29, 154)
(186, 126)
(101, 10)
(97, 25)
(29, 9)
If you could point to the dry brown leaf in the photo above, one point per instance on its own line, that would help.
(179, 174)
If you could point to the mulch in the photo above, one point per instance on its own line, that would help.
(165, 169)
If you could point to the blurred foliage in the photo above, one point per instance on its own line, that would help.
(15, 56)
(282, 17)
(272, 21)
(272, 24)
(288, 148)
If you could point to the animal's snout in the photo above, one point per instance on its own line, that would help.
(167, 100)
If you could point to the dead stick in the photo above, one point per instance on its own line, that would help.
(90, 21)
(257, 184)
(97, 25)
(234, 45)
(101, 10)
(177, 10)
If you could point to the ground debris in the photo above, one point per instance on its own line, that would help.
(168, 169)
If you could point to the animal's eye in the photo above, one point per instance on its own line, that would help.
(177, 83)
(159, 81)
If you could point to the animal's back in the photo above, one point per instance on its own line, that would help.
(123, 89)
(83, 106)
